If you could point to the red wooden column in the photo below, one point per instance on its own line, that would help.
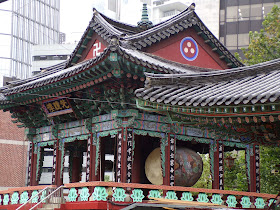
(257, 169)
(217, 160)
(93, 173)
(124, 155)
(95, 157)
(128, 153)
(253, 168)
(119, 158)
(59, 170)
(57, 178)
(89, 158)
(33, 159)
(168, 179)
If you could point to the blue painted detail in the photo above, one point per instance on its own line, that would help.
(189, 48)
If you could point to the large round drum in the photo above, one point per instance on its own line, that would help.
(188, 167)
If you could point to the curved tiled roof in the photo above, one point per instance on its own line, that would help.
(44, 72)
(123, 39)
(136, 38)
(48, 78)
(147, 60)
(246, 85)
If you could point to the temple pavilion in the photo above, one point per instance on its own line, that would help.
(126, 90)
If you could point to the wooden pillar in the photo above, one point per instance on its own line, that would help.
(93, 173)
(29, 163)
(172, 146)
(257, 167)
(169, 178)
(217, 164)
(253, 168)
(56, 171)
(88, 165)
(33, 180)
(121, 163)
(129, 155)
(95, 161)
(124, 155)
(60, 162)
(119, 156)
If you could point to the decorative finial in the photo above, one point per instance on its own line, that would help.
(191, 7)
(145, 23)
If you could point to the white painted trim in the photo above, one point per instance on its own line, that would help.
(13, 142)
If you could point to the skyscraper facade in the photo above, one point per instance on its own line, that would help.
(207, 10)
(33, 22)
(25, 23)
(238, 18)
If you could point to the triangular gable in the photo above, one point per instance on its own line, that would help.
(169, 40)
(95, 50)
(99, 30)
(187, 47)
(165, 38)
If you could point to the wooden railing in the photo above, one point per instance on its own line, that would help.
(130, 192)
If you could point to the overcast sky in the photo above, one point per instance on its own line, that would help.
(74, 18)
(75, 15)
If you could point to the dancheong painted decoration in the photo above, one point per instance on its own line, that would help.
(128, 90)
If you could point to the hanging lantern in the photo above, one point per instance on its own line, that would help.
(229, 162)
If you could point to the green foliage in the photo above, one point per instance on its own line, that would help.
(269, 165)
(107, 178)
(205, 180)
(235, 178)
(265, 44)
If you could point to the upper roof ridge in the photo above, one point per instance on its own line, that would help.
(163, 24)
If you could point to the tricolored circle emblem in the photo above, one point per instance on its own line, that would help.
(189, 48)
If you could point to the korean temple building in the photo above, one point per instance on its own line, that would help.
(126, 90)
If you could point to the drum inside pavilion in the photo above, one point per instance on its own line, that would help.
(85, 119)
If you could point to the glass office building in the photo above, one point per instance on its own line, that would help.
(238, 18)
(33, 22)
(25, 23)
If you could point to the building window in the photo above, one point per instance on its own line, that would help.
(243, 40)
(231, 40)
(40, 58)
(222, 15)
(232, 14)
(267, 8)
(244, 27)
(244, 12)
(222, 40)
(170, 13)
(256, 12)
(49, 57)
